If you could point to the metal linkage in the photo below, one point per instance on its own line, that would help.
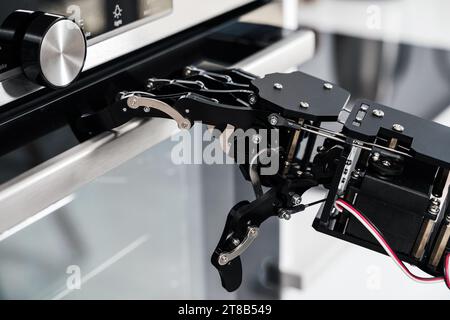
(279, 121)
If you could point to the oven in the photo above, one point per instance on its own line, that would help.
(110, 216)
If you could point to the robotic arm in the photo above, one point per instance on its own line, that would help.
(391, 165)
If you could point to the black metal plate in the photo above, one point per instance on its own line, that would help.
(429, 140)
(324, 104)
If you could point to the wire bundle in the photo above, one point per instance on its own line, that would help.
(343, 205)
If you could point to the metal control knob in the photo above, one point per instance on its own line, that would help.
(51, 48)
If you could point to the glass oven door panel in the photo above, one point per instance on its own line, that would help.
(136, 232)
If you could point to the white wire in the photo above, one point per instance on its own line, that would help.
(340, 204)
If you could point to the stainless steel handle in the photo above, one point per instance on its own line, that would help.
(28, 194)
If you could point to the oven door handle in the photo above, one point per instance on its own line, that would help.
(26, 198)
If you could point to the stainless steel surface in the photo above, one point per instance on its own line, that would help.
(62, 53)
(129, 39)
(348, 169)
(28, 194)
(57, 178)
(283, 55)
(226, 257)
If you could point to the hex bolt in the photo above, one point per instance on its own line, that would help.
(304, 104)
(356, 174)
(256, 139)
(296, 200)
(252, 99)
(187, 72)
(147, 109)
(328, 86)
(278, 86)
(378, 113)
(283, 214)
(386, 163)
(236, 242)
(273, 120)
(223, 259)
(376, 156)
(398, 127)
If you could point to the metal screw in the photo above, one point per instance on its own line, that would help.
(236, 242)
(328, 86)
(124, 109)
(187, 71)
(185, 124)
(386, 163)
(378, 113)
(187, 110)
(376, 156)
(304, 104)
(256, 138)
(133, 101)
(320, 149)
(147, 109)
(434, 206)
(283, 214)
(356, 174)
(398, 127)
(296, 200)
(278, 86)
(252, 99)
(253, 231)
(273, 120)
(223, 259)
(299, 173)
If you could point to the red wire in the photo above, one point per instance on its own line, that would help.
(341, 203)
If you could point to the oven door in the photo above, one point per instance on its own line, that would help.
(113, 217)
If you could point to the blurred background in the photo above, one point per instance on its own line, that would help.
(146, 229)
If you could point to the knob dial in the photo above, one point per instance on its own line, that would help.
(53, 51)
(51, 48)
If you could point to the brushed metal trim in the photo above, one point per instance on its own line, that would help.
(35, 190)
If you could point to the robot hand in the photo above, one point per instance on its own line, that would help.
(391, 165)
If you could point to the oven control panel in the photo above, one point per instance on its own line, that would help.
(97, 20)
